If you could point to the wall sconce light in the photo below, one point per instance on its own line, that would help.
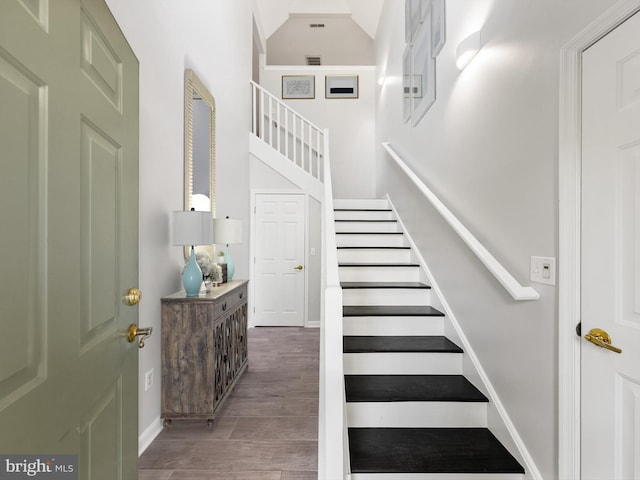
(191, 228)
(467, 49)
(225, 231)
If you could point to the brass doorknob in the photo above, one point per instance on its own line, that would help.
(299, 267)
(602, 339)
(133, 296)
(143, 333)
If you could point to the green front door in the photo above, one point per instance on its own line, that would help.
(68, 245)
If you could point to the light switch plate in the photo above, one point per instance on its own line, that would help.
(543, 270)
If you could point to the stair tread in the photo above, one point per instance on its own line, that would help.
(381, 247)
(365, 220)
(362, 210)
(399, 344)
(390, 311)
(411, 388)
(428, 450)
(378, 264)
(412, 285)
(369, 233)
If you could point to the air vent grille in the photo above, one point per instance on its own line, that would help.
(316, 25)
(312, 59)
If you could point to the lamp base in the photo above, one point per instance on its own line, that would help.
(192, 276)
(230, 266)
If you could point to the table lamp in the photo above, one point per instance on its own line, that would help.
(191, 228)
(227, 231)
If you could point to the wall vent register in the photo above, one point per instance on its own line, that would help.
(312, 59)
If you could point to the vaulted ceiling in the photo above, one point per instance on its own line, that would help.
(274, 13)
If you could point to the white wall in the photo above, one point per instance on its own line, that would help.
(213, 37)
(264, 179)
(340, 42)
(351, 124)
(489, 149)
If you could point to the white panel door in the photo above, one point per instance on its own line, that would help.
(279, 261)
(611, 255)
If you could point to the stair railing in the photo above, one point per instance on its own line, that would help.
(517, 291)
(332, 451)
(288, 132)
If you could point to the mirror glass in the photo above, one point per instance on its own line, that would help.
(199, 147)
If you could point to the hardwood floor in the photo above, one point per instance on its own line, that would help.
(268, 428)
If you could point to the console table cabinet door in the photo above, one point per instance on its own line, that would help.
(187, 388)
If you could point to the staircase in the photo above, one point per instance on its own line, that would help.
(410, 411)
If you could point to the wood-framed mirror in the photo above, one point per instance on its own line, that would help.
(199, 149)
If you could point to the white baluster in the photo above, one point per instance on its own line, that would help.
(254, 92)
(286, 131)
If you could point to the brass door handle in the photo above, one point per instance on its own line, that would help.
(143, 333)
(602, 339)
(299, 267)
(133, 296)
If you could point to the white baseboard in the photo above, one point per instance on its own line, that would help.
(149, 435)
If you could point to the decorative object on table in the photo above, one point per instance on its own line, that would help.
(220, 256)
(203, 259)
(216, 275)
(224, 272)
(207, 266)
(298, 87)
(341, 86)
(191, 228)
(227, 231)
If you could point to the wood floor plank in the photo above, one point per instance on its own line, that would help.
(208, 475)
(281, 428)
(267, 429)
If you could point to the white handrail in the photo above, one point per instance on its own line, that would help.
(517, 291)
(332, 451)
(271, 124)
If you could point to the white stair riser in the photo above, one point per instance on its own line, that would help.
(393, 326)
(361, 203)
(363, 215)
(436, 476)
(386, 296)
(379, 274)
(375, 227)
(402, 363)
(417, 414)
(373, 255)
(370, 240)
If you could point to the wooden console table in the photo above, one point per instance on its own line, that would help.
(204, 350)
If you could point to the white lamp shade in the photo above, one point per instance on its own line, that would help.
(191, 228)
(227, 230)
(467, 49)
